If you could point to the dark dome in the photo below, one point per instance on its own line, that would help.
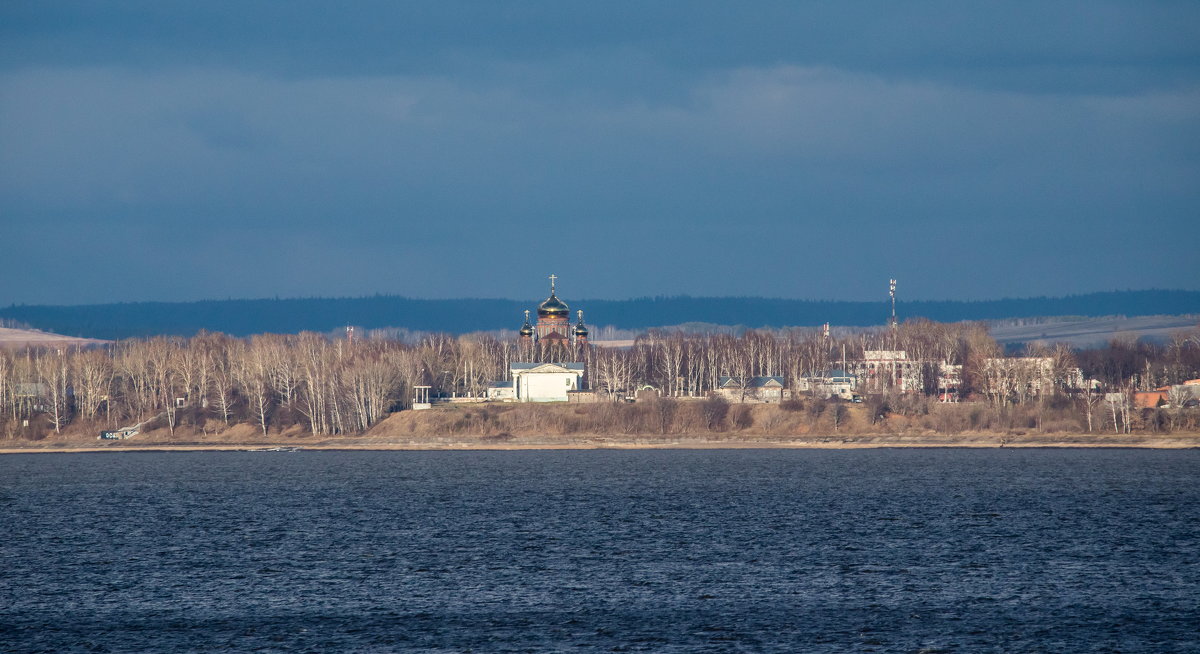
(553, 307)
(581, 330)
(526, 330)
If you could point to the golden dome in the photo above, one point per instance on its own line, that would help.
(553, 307)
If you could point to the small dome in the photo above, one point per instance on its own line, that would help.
(581, 330)
(553, 307)
(526, 330)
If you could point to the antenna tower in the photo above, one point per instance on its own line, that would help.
(892, 295)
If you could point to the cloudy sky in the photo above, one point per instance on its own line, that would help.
(153, 150)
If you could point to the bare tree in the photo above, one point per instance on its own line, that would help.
(53, 373)
(92, 372)
(254, 375)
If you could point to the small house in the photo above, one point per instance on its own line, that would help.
(753, 389)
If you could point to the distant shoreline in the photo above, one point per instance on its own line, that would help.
(1071, 441)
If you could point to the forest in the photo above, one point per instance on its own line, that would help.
(248, 317)
(343, 386)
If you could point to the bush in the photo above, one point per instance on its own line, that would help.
(662, 412)
(792, 404)
(878, 408)
(714, 410)
(838, 415)
(742, 417)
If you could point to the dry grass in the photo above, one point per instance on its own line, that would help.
(648, 424)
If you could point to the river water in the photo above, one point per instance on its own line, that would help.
(906, 550)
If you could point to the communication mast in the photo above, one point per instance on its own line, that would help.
(892, 295)
(825, 348)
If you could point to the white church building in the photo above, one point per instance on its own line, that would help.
(538, 382)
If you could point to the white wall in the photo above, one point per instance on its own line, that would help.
(547, 386)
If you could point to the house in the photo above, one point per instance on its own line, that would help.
(880, 370)
(1181, 396)
(949, 381)
(836, 384)
(1151, 399)
(501, 391)
(30, 396)
(753, 389)
(538, 382)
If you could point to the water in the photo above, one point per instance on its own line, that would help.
(675, 551)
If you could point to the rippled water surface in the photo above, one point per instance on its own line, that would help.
(684, 551)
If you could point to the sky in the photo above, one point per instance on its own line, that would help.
(195, 150)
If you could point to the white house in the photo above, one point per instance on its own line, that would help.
(538, 382)
(836, 384)
(880, 370)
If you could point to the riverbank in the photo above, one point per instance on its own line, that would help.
(613, 426)
(647, 442)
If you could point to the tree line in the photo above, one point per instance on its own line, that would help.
(292, 315)
(328, 385)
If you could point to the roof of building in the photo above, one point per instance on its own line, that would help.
(25, 389)
(754, 382)
(830, 375)
(575, 367)
(1149, 399)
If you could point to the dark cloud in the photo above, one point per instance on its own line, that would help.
(468, 149)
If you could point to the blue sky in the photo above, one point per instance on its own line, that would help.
(166, 151)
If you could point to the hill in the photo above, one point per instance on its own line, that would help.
(18, 338)
(1092, 332)
(243, 317)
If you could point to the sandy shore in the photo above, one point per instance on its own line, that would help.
(827, 443)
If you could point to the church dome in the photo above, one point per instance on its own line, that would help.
(581, 330)
(553, 307)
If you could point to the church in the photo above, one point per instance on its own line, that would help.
(550, 343)
(553, 323)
